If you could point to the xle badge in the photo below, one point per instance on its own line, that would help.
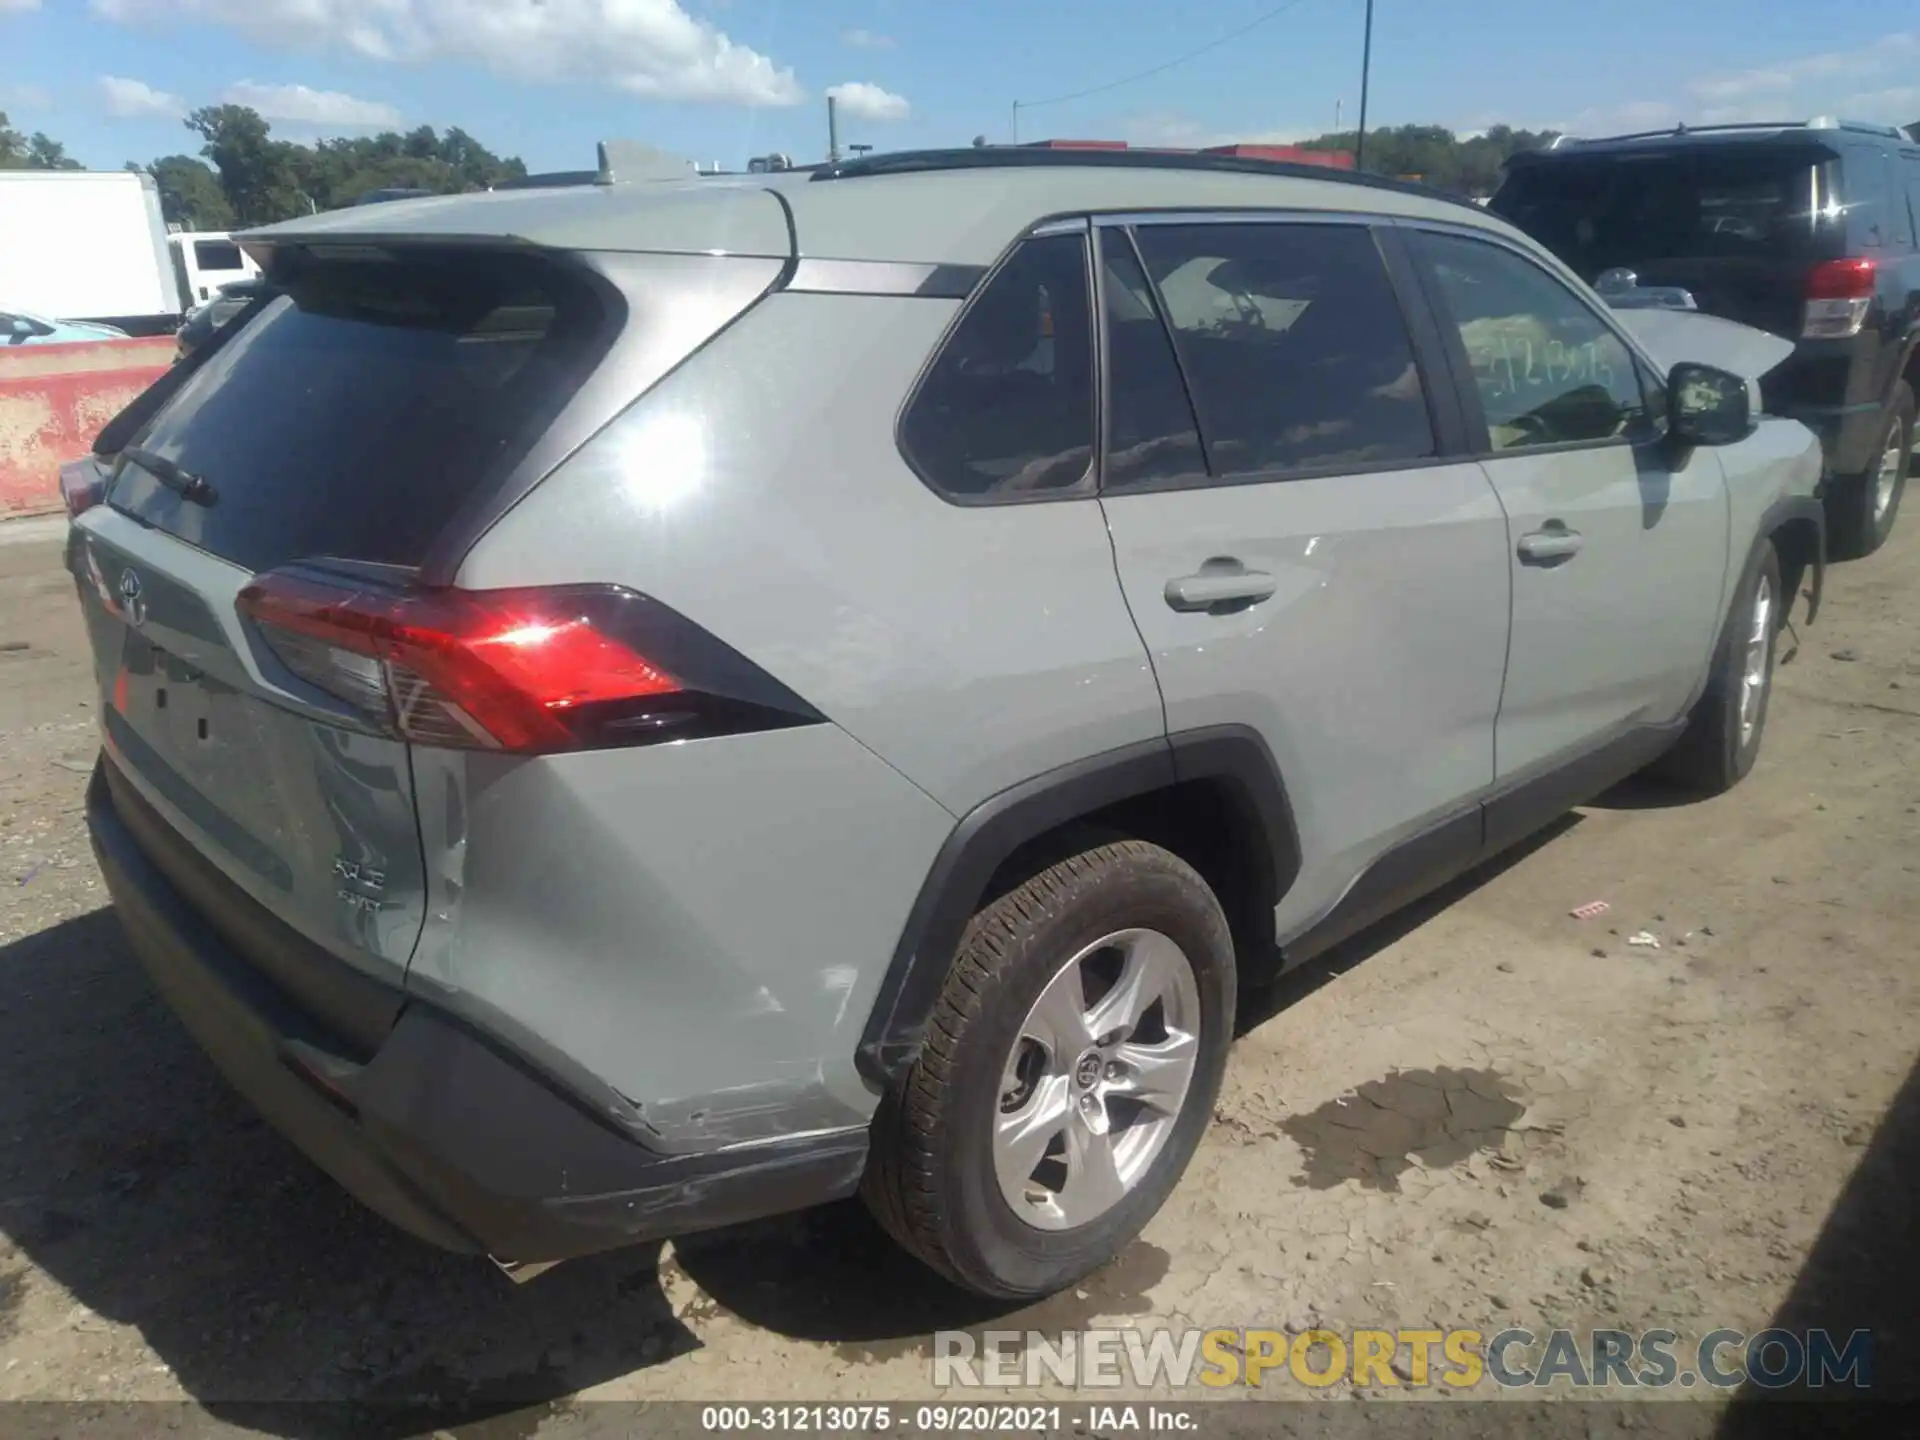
(357, 873)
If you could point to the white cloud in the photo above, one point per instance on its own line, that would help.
(1898, 106)
(866, 40)
(652, 48)
(1797, 89)
(303, 105)
(18, 6)
(1626, 118)
(135, 99)
(862, 101)
(1810, 72)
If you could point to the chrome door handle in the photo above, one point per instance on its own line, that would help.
(1555, 542)
(1209, 588)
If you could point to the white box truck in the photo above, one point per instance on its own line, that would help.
(88, 245)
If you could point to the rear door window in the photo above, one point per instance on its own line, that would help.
(1293, 342)
(1006, 412)
(1152, 440)
(358, 410)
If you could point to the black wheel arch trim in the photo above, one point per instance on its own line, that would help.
(989, 834)
(1782, 511)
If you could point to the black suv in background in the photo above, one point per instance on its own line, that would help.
(1807, 230)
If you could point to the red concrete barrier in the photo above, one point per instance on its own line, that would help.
(54, 399)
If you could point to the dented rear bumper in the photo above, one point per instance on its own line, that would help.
(441, 1130)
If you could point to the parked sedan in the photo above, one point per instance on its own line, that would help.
(21, 327)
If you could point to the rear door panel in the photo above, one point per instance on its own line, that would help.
(307, 812)
(1373, 666)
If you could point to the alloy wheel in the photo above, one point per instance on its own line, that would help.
(1096, 1079)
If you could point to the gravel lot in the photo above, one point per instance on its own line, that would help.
(1486, 1113)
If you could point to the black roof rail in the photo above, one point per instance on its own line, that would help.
(1007, 157)
(1820, 124)
(548, 179)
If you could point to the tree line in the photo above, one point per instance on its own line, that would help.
(32, 152)
(244, 176)
(1434, 155)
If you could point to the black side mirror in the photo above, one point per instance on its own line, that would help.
(1707, 406)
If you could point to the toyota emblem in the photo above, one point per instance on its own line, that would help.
(133, 603)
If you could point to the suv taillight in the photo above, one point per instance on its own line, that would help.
(1839, 294)
(81, 486)
(530, 671)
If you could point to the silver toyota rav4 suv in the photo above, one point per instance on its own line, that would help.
(635, 707)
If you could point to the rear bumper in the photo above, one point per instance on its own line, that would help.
(441, 1131)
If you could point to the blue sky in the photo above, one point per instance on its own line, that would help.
(720, 80)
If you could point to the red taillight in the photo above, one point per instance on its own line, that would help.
(81, 486)
(1839, 295)
(529, 671)
(1841, 280)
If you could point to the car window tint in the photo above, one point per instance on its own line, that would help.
(1899, 217)
(1717, 203)
(1911, 164)
(1006, 411)
(1294, 345)
(217, 255)
(1151, 436)
(1547, 370)
(356, 412)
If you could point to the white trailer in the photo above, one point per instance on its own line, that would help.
(88, 245)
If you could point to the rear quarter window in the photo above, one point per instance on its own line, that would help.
(366, 403)
(1006, 410)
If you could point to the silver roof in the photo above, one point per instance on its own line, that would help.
(960, 217)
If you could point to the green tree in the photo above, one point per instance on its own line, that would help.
(190, 193)
(263, 179)
(1436, 156)
(46, 153)
(32, 152)
(258, 174)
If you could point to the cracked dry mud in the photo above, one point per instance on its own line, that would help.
(1484, 1113)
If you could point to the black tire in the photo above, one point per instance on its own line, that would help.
(1855, 526)
(930, 1176)
(1712, 755)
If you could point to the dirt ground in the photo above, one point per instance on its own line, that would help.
(1487, 1113)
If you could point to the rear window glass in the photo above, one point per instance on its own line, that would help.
(1705, 204)
(357, 411)
(217, 255)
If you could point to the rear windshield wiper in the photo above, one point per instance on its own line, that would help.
(188, 485)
